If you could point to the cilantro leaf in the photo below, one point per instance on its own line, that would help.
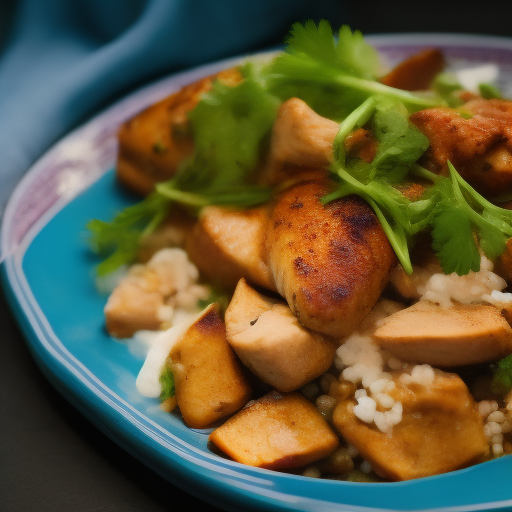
(453, 240)
(117, 241)
(332, 77)
(502, 376)
(167, 383)
(460, 220)
(492, 225)
(447, 86)
(489, 91)
(400, 143)
(229, 126)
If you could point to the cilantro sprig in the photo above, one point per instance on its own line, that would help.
(166, 380)
(334, 75)
(229, 125)
(502, 376)
(463, 221)
(338, 78)
(460, 220)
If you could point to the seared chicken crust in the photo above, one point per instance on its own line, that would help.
(330, 262)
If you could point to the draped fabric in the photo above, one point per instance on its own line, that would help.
(62, 61)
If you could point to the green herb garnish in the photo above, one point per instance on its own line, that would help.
(338, 78)
(447, 86)
(333, 76)
(167, 383)
(489, 91)
(451, 209)
(217, 296)
(229, 124)
(502, 376)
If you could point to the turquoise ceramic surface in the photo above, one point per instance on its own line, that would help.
(48, 274)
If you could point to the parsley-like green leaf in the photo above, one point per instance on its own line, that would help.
(333, 77)
(117, 241)
(229, 126)
(453, 239)
(451, 209)
(502, 376)
(489, 91)
(491, 224)
(167, 383)
(448, 87)
(400, 143)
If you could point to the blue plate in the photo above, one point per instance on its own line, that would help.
(47, 272)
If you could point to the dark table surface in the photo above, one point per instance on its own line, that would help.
(53, 459)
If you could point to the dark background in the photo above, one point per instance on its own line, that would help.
(51, 457)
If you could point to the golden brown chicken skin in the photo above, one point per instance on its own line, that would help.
(330, 263)
(416, 72)
(153, 143)
(480, 147)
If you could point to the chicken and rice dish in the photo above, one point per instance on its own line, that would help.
(321, 261)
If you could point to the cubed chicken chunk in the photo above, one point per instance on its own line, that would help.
(227, 244)
(277, 431)
(460, 335)
(135, 304)
(440, 430)
(209, 380)
(300, 136)
(146, 298)
(269, 340)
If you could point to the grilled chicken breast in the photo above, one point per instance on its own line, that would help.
(154, 142)
(330, 263)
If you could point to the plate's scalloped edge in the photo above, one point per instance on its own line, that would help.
(130, 427)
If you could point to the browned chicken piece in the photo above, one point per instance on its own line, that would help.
(460, 335)
(501, 110)
(454, 137)
(209, 380)
(227, 244)
(300, 137)
(134, 304)
(480, 147)
(503, 265)
(416, 72)
(302, 140)
(153, 143)
(440, 430)
(330, 262)
(361, 144)
(146, 297)
(277, 431)
(269, 340)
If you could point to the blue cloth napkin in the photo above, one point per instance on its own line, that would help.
(65, 60)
